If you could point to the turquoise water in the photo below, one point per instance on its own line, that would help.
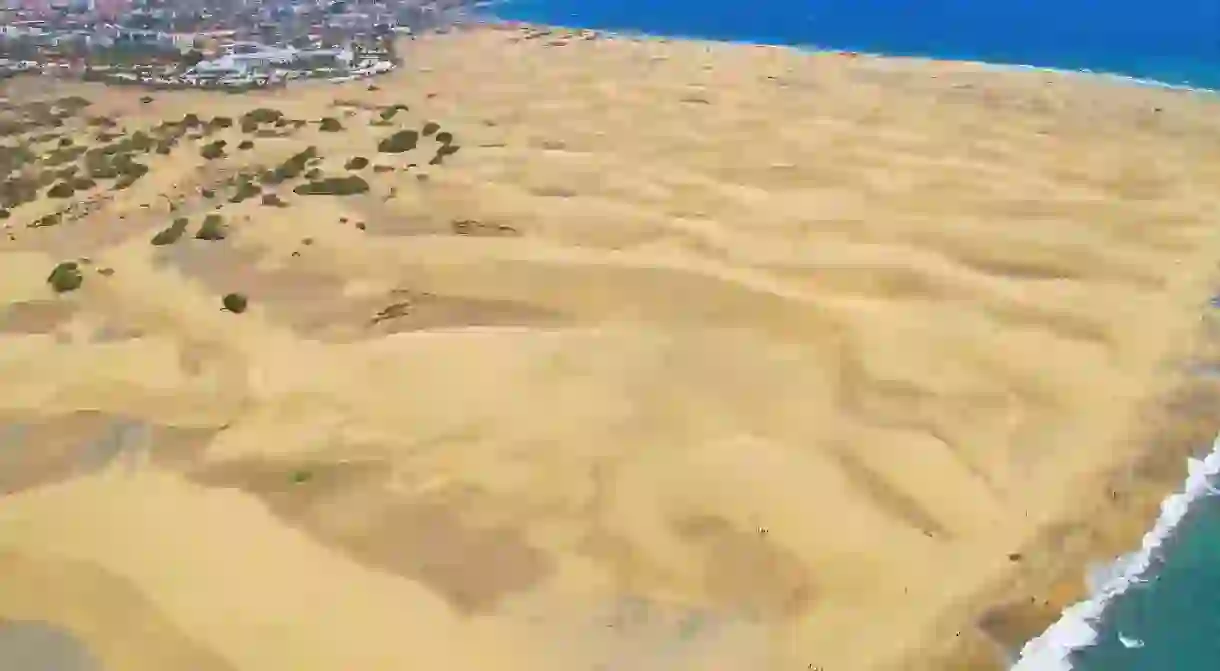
(1170, 619)
(1173, 621)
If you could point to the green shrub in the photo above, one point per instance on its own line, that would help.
(246, 144)
(47, 220)
(191, 120)
(444, 137)
(333, 186)
(245, 189)
(60, 190)
(213, 150)
(402, 141)
(292, 167)
(330, 125)
(207, 193)
(65, 277)
(235, 303)
(430, 128)
(251, 120)
(442, 152)
(141, 141)
(222, 122)
(212, 228)
(388, 113)
(357, 163)
(171, 234)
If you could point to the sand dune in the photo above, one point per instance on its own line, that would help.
(647, 355)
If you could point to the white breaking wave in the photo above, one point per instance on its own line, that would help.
(1077, 626)
(1130, 642)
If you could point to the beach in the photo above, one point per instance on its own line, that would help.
(637, 353)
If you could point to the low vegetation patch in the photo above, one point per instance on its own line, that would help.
(430, 128)
(172, 234)
(213, 150)
(356, 163)
(400, 142)
(245, 189)
(250, 121)
(246, 144)
(333, 186)
(273, 200)
(212, 228)
(235, 303)
(330, 125)
(60, 190)
(291, 168)
(65, 277)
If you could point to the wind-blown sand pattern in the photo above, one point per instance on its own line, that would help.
(693, 356)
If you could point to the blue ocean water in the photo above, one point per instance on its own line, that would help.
(1173, 41)
(1173, 621)
(1169, 620)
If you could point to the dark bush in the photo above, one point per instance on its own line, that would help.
(357, 163)
(273, 200)
(388, 113)
(383, 168)
(222, 122)
(60, 190)
(235, 303)
(207, 193)
(292, 167)
(245, 189)
(251, 120)
(330, 125)
(444, 137)
(442, 152)
(213, 150)
(212, 228)
(171, 234)
(146, 99)
(192, 120)
(430, 128)
(333, 186)
(402, 141)
(82, 183)
(65, 277)
(246, 144)
(53, 219)
(141, 141)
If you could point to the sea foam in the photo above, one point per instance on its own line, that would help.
(1077, 627)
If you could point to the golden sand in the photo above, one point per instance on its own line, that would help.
(694, 356)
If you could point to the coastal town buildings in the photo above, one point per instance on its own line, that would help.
(192, 42)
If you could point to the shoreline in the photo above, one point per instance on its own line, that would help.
(1133, 507)
(1125, 521)
(1117, 78)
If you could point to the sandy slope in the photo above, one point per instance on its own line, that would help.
(692, 357)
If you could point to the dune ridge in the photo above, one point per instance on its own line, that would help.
(666, 354)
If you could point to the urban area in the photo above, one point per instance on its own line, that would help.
(228, 44)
